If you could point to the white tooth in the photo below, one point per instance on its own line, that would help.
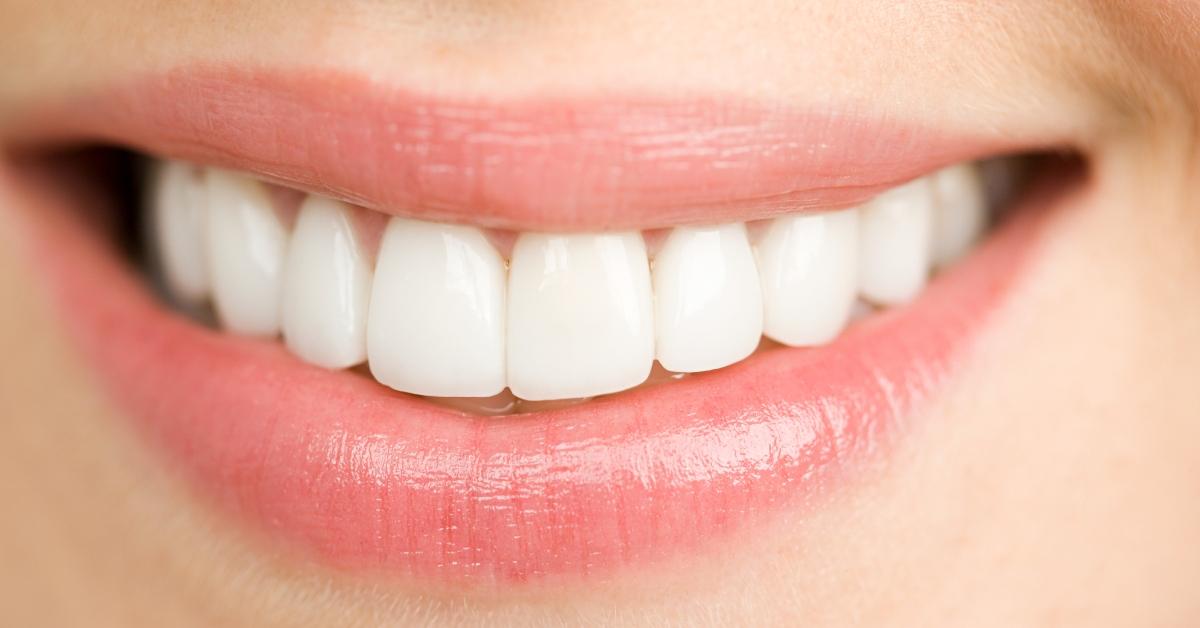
(809, 270)
(961, 211)
(580, 319)
(246, 244)
(894, 235)
(437, 311)
(707, 300)
(326, 287)
(178, 206)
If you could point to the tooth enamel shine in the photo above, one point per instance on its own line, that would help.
(178, 205)
(961, 212)
(437, 311)
(245, 249)
(894, 246)
(580, 319)
(326, 287)
(809, 270)
(708, 304)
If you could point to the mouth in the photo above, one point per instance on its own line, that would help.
(481, 342)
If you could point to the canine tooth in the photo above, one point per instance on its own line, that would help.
(809, 270)
(437, 311)
(708, 310)
(580, 319)
(326, 287)
(894, 243)
(246, 245)
(178, 223)
(961, 211)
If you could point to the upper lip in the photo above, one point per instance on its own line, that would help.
(621, 162)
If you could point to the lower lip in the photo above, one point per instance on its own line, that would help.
(364, 478)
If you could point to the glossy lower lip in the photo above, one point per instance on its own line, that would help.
(546, 164)
(367, 479)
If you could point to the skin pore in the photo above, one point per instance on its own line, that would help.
(1056, 482)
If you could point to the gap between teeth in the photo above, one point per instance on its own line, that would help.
(453, 311)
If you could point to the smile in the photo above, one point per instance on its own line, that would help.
(484, 342)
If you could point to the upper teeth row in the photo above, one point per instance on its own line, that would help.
(441, 313)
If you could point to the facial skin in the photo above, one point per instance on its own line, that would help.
(1056, 482)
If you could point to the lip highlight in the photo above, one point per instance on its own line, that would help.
(365, 478)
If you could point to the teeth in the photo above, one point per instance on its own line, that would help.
(178, 204)
(246, 245)
(579, 315)
(809, 270)
(326, 287)
(572, 316)
(437, 311)
(894, 243)
(708, 304)
(961, 212)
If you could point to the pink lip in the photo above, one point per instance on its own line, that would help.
(370, 479)
(533, 165)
